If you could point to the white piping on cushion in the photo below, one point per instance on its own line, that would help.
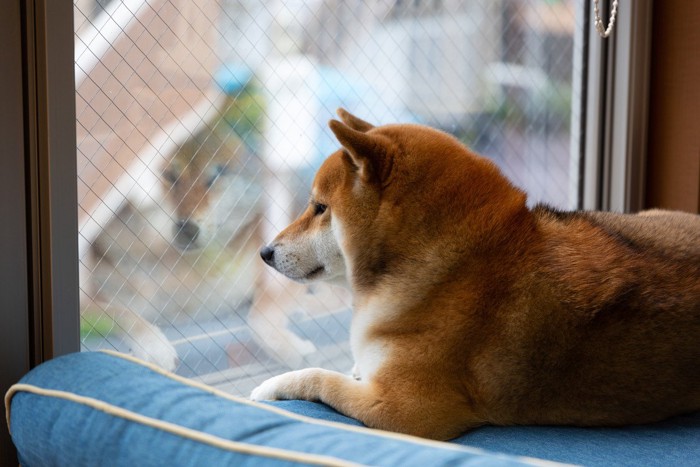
(184, 432)
(288, 414)
(316, 421)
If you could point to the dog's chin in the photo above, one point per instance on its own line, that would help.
(187, 247)
(314, 275)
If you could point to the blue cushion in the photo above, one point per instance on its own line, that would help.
(673, 442)
(106, 409)
(112, 410)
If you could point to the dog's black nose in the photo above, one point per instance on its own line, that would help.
(186, 232)
(267, 254)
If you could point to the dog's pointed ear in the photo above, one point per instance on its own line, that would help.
(354, 122)
(367, 151)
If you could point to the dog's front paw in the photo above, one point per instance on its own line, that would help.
(154, 347)
(306, 347)
(267, 391)
(300, 384)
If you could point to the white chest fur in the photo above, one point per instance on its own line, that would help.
(369, 351)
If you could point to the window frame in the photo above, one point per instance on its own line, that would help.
(14, 285)
(39, 195)
(614, 138)
(49, 91)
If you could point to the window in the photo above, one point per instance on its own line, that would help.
(40, 290)
(200, 125)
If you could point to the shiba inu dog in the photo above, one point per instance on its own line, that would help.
(471, 308)
(192, 257)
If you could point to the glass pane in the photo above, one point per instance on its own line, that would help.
(201, 124)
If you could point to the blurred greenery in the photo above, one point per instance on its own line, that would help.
(94, 323)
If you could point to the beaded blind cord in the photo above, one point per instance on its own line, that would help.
(602, 30)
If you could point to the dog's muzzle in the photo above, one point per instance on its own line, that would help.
(186, 233)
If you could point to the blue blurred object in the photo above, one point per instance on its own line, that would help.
(233, 78)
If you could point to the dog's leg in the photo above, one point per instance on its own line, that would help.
(395, 407)
(268, 319)
(269, 329)
(145, 340)
(148, 342)
(342, 392)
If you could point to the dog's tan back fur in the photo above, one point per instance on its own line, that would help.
(473, 309)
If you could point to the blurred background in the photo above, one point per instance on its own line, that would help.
(200, 124)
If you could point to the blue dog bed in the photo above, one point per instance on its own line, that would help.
(110, 409)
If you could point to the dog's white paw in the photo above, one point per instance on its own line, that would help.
(267, 391)
(157, 350)
(305, 347)
(299, 384)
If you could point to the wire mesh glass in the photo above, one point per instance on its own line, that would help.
(200, 124)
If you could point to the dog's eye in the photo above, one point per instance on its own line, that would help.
(319, 209)
(170, 176)
(218, 171)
